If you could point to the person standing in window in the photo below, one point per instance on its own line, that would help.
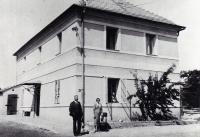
(97, 112)
(77, 114)
(114, 98)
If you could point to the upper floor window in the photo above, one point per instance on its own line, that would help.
(150, 44)
(39, 55)
(111, 38)
(58, 44)
(24, 64)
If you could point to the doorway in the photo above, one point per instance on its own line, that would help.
(12, 104)
(37, 100)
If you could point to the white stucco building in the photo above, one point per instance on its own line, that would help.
(118, 38)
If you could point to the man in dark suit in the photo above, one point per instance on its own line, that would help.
(77, 114)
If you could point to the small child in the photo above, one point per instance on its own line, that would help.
(101, 118)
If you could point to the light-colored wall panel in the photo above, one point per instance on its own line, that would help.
(133, 41)
(32, 60)
(67, 92)
(93, 89)
(55, 64)
(130, 89)
(21, 66)
(48, 50)
(103, 71)
(122, 60)
(27, 97)
(167, 47)
(126, 23)
(57, 112)
(49, 77)
(69, 38)
(47, 93)
(94, 35)
(5, 100)
(57, 115)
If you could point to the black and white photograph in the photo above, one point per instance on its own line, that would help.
(99, 68)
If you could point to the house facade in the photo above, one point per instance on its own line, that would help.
(92, 50)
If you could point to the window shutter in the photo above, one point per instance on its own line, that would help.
(123, 91)
(155, 50)
(56, 91)
(118, 39)
(147, 45)
(105, 90)
(118, 95)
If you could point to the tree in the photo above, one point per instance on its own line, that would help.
(191, 91)
(156, 95)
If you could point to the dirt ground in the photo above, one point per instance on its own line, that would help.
(155, 131)
(12, 129)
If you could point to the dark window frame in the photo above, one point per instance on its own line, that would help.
(113, 85)
(150, 44)
(111, 38)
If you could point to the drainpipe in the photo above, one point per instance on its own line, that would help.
(82, 63)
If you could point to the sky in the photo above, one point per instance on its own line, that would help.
(20, 20)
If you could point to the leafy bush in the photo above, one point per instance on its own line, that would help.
(155, 95)
(136, 117)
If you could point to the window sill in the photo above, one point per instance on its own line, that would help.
(113, 50)
(151, 55)
(118, 105)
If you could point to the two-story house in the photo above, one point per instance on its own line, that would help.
(91, 50)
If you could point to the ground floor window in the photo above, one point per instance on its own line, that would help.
(57, 91)
(113, 90)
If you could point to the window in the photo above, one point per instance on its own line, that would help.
(151, 44)
(57, 92)
(24, 65)
(58, 44)
(113, 90)
(111, 38)
(39, 55)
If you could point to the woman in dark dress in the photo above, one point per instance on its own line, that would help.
(97, 112)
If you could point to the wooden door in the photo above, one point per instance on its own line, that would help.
(12, 104)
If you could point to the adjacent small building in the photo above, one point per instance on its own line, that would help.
(91, 50)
